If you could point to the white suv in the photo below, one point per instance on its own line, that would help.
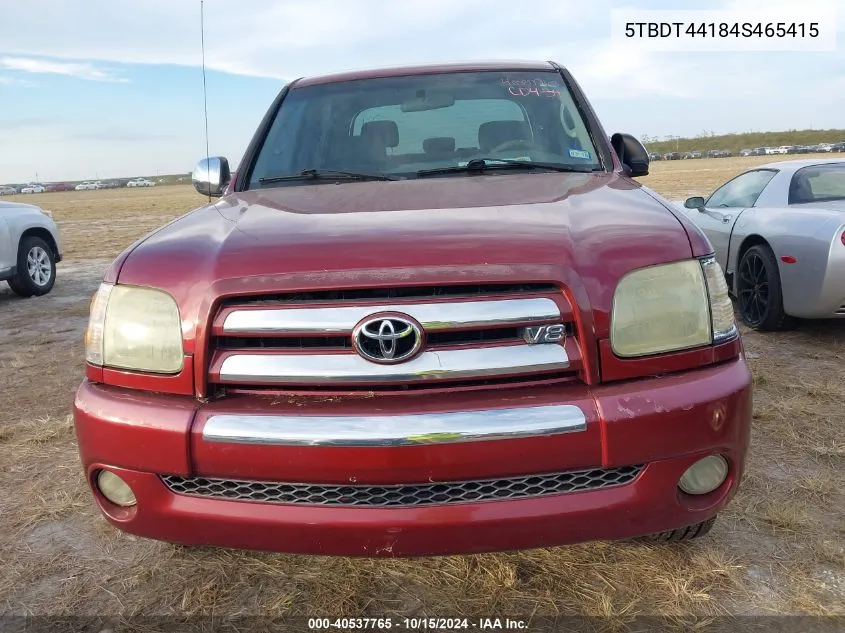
(30, 248)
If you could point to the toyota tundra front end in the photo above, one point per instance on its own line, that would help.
(432, 313)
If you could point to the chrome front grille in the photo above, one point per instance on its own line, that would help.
(307, 339)
(403, 495)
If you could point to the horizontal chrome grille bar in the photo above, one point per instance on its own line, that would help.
(395, 430)
(404, 495)
(433, 365)
(432, 316)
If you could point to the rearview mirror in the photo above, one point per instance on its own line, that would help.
(431, 101)
(631, 153)
(211, 176)
(696, 202)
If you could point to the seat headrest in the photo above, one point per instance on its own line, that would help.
(800, 190)
(387, 132)
(439, 145)
(495, 133)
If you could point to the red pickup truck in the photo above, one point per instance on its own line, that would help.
(431, 313)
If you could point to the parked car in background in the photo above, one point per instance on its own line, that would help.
(33, 187)
(779, 234)
(838, 147)
(30, 248)
(88, 185)
(673, 156)
(824, 147)
(6, 190)
(760, 151)
(140, 182)
(58, 186)
(524, 346)
(651, 156)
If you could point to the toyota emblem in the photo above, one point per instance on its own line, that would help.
(387, 339)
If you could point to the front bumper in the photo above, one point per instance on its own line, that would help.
(665, 424)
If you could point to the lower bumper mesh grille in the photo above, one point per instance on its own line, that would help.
(403, 495)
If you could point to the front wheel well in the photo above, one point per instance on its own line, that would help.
(748, 242)
(45, 235)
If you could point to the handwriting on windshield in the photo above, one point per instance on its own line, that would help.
(527, 92)
(532, 87)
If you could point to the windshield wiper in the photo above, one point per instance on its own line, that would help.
(483, 164)
(318, 174)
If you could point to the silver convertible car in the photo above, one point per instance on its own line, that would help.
(779, 234)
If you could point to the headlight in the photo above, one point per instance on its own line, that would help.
(671, 307)
(134, 328)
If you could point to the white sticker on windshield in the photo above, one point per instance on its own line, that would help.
(579, 153)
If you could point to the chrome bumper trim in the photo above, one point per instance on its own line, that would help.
(342, 319)
(395, 430)
(349, 368)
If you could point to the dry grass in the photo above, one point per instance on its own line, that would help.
(105, 222)
(780, 547)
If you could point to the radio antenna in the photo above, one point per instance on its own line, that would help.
(204, 88)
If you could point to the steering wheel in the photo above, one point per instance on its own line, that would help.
(518, 143)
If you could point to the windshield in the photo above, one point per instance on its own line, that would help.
(402, 125)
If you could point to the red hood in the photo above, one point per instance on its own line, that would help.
(584, 230)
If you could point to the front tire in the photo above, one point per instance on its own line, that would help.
(759, 291)
(684, 534)
(36, 272)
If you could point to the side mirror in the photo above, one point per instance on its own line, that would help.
(211, 176)
(696, 202)
(631, 153)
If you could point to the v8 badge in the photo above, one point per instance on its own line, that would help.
(536, 334)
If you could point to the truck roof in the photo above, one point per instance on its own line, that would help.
(425, 69)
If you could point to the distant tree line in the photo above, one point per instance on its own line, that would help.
(737, 142)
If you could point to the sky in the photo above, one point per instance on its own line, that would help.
(111, 88)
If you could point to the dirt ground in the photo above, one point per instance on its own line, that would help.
(778, 549)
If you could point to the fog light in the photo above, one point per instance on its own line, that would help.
(115, 489)
(705, 475)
